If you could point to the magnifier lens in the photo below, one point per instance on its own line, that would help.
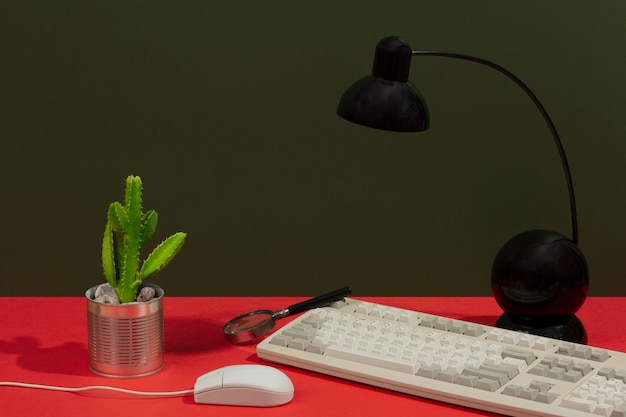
(251, 326)
(248, 322)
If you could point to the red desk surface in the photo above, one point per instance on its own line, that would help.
(43, 341)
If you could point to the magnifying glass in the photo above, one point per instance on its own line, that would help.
(255, 324)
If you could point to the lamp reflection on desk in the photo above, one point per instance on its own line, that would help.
(539, 278)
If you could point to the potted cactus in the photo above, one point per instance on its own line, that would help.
(125, 315)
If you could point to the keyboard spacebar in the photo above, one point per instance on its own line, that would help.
(372, 359)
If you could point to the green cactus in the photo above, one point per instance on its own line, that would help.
(127, 229)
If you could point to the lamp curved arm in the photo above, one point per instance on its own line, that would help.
(542, 110)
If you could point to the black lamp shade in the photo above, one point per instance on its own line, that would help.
(386, 100)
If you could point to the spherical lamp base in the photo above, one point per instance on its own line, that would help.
(540, 279)
(568, 327)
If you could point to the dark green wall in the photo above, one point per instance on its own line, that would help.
(226, 110)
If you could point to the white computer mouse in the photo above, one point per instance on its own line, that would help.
(247, 385)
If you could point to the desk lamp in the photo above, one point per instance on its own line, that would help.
(539, 278)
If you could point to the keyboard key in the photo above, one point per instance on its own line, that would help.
(428, 321)
(337, 304)
(579, 404)
(280, 340)
(615, 384)
(408, 317)
(443, 324)
(298, 344)
(371, 359)
(621, 375)
(511, 371)
(474, 330)
(297, 334)
(391, 314)
(478, 346)
(603, 410)
(446, 375)
(529, 393)
(566, 364)
(364, 308)
(525, 355)
(599, 355)
(496, 335)
(314, 322)
(556, 373)
(566, 349)
(619, 411)
(583, 352)
(527, 340)
(315, 348)
(487, 374)
(467, 380)
(458, 327)
(543, 344)
(487, 384)
(539, 386)
(540, 370)
(606, 372)
(546, 397)
(511, 338)
(572, 376)
(550, 361)
(428, 371)
(597, 381)
(512, 390)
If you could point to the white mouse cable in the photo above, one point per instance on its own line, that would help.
(97, 387)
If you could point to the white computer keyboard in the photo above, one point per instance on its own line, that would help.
(454, 361)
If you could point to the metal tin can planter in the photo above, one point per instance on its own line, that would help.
(125, 340)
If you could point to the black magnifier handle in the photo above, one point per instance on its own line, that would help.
(318, 301)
